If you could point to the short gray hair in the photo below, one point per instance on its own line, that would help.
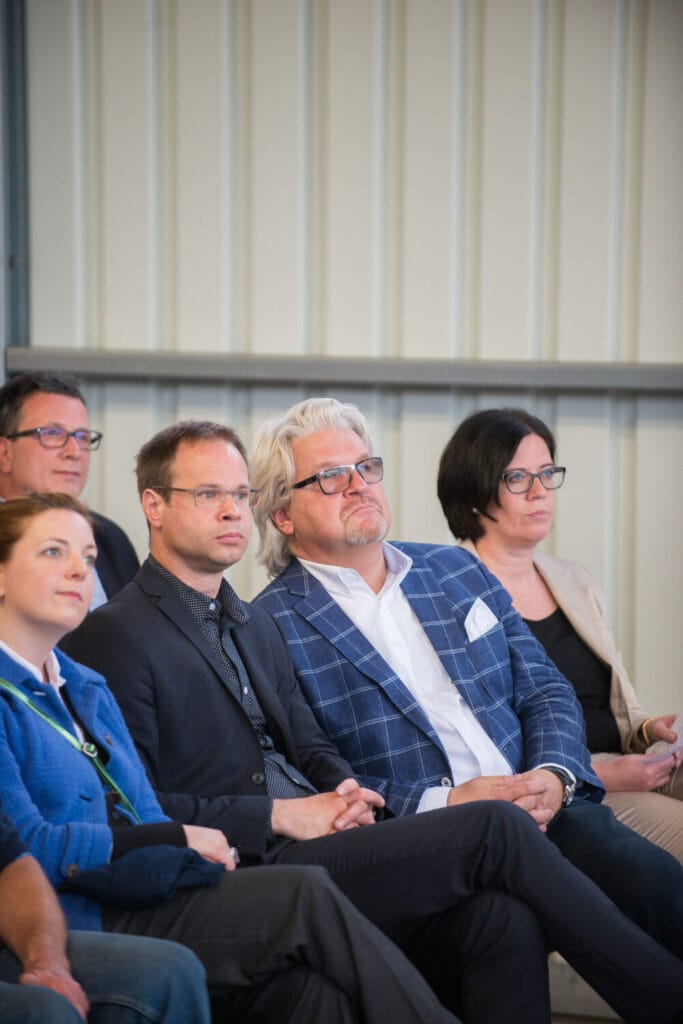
(272, 465)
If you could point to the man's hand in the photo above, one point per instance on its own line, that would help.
(310, 817)
(549, 802)
(58, 978)
(211, 844)
(529, 791)
(635, 773)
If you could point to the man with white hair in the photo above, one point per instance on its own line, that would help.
(419, 669)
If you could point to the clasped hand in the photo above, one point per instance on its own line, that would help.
(537, 792)
(309, 817)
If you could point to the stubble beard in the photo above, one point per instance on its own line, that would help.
(357, 533)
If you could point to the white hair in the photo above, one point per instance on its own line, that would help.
(272, 465)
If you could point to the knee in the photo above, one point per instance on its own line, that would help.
(495, 815)
(173, 964)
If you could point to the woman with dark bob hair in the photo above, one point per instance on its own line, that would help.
(496, 484)
(277, 943)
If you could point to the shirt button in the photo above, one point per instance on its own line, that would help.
(115, 815)
(446, 781)
(258, 778)
(72, 871)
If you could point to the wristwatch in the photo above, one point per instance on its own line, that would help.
(567, 780)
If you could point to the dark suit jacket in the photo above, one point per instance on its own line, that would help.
(198, 746)
(116, 562)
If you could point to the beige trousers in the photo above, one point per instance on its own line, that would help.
(657, 815)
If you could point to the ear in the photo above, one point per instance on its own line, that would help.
(153, 506)
(5, 456)
(282, 521)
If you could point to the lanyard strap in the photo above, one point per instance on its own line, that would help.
(89, 749)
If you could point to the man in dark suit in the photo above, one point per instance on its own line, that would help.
(207, 688)
(45, 445)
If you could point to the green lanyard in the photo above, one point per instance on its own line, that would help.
(89, 749)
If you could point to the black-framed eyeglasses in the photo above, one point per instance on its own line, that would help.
(57, 437)
(216, 497)
(332, 481)
(520, 481)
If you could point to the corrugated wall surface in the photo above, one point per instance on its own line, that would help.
(492, 179)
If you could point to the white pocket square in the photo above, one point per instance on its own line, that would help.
(480, 619)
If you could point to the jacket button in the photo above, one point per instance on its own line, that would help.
(446, 781)
(72, 871)
(258, 778)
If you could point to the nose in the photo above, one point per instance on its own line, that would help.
(71, 448)
(230, 509)
(537, 490)
(78, 567)
(355, 481)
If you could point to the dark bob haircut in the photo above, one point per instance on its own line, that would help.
(473, 460)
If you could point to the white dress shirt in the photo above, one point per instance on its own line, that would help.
(389, 623)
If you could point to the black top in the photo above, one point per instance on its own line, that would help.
(590, 677)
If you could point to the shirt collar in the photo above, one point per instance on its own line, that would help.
(52, 669)
(226, 601)
(341, 580)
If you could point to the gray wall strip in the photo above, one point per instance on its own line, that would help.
(421, 374)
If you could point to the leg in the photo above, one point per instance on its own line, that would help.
(26, 1004)
(487, 936)
(435, 860)
(260, 922)
(130, 980)
(297, 994)
(654, 816)
(644, 881)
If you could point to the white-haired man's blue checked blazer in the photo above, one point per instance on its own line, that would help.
(525, 705)
(517, 694)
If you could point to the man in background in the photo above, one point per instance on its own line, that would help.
(45, 446)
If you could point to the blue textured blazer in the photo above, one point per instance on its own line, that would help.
(525, 705)
(50, 791)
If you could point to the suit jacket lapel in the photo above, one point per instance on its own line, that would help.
(581, 613)
(173, 608)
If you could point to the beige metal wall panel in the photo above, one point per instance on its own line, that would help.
(195, 176)
(657, 594)
(348, 93)
(277, 84)
(56, 174)
(424, 234)
(507, 186)
(587, 173)
(120, 97)
(660, 301)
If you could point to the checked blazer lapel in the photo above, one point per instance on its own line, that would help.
(324, 615)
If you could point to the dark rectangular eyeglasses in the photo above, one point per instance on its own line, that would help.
(519, 481)
(331, 481)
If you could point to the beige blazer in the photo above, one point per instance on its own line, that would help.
(580, 597)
